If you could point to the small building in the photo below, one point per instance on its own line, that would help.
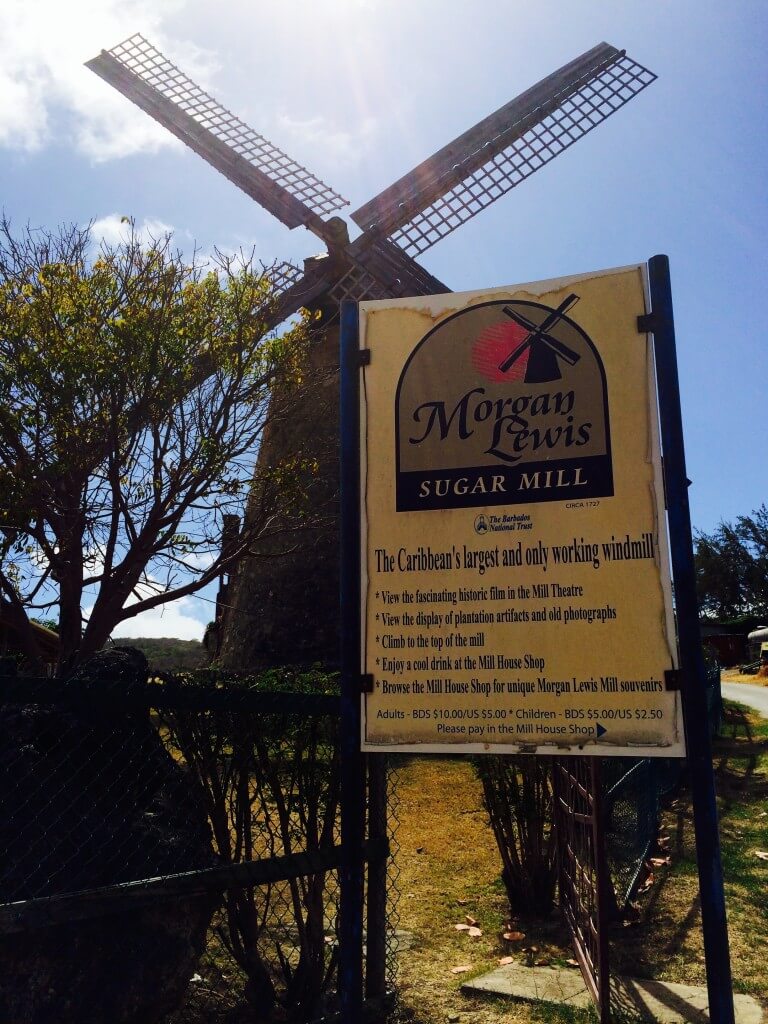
(47, 641)
(728, 647)
(757, 644)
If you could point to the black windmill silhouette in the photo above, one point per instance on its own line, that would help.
(544, 350)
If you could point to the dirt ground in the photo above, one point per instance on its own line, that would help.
(732, 675)
(449, 876)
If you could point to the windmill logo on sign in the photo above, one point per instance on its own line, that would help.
(502, 403)
(408, 217)
(540, 350)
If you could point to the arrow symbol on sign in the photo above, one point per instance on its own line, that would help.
(601, 731)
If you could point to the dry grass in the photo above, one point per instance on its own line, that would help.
(449, 872)
(450, 869)
(732, 675)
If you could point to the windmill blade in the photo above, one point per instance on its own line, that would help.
(296, 290)
(146, 77)
(514, 355)
(565, 353)
(504, 149)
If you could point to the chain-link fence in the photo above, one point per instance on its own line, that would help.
(153, 832)
(634, 790)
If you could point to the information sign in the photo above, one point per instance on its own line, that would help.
(515, 578)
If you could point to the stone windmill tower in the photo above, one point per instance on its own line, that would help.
(282, 604)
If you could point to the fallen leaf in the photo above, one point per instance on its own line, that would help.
(461, 927)
(419, 849)
(503, 961)
(647, 884)
(570, 962)
(541, 962)
(763, 814)
(462, 903)
(470, 920)
(474, 932)
(513, 936)
(462, 969)
(761, 854)
(659, 862)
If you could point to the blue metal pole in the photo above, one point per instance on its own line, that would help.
(352, 763)
(699, 749)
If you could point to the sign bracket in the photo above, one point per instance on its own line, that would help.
(673, 679)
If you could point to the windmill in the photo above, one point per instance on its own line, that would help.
(287, 610)
(543, 350)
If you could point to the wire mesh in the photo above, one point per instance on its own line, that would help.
(634, 790)
(119, 800)
(117, 808)
(537, 145)
(145, 61)
(581, 868)
(396, 938)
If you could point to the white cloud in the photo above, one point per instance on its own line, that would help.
(47, 94)
(115, 228)
(330, 142)
(171, 620)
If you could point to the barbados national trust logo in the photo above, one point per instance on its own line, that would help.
(502, 403)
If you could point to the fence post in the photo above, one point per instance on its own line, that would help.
(352, 797)
(376, 930)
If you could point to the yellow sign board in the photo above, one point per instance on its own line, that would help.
(515, 573)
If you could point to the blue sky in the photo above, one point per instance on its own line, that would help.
(359, 91)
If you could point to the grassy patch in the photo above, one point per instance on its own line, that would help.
(667, 942)
(449, 871)
(449, 874)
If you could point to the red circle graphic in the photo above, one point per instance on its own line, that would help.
(495, 344)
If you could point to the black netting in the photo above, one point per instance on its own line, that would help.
(189, 828)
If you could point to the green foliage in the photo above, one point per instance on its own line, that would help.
(135, 386)
(169, 655)
(732, 568)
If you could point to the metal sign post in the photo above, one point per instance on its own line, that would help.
(659, 322)
(351, 875)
